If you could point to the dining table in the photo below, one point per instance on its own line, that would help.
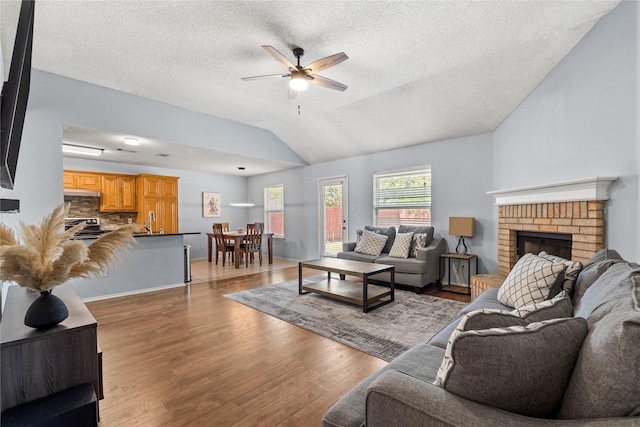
(238, 237)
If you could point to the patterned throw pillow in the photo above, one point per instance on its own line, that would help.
(419, 240)
(401, 245)
(530, 281)
(504, 367)
(371, 243)
(570, 274)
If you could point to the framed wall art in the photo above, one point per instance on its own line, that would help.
(211, 205)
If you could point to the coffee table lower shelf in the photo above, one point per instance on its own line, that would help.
(348, 291)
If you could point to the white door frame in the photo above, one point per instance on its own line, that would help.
(343, 180)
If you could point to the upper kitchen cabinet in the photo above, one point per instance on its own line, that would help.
(82, 180)
(159, 194)
(118, 193)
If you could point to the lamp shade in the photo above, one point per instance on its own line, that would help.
(462, 226)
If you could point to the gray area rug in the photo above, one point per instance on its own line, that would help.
(385, 332)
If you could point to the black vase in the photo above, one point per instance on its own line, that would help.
(46, 311)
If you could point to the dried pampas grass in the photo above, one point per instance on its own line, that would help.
(48, 257)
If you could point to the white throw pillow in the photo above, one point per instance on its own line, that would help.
(571, 273)
(371, 243)
(401, 245)
(530, 281)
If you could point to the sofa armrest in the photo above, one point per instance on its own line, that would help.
(348, 247)
(398, 399)
(431, 256)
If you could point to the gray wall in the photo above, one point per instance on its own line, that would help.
(461, 176)
(580, 122)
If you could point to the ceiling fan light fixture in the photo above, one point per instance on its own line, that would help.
(298, 81)
(131, 141)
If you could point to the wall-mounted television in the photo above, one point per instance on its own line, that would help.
(15, 93)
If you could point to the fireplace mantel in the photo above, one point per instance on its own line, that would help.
(588, 189)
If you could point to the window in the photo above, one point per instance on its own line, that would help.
(274, 210)
(402, 197)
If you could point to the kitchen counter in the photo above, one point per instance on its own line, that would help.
(140, 235)
(153, 262)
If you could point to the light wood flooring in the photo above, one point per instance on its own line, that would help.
(188, 356)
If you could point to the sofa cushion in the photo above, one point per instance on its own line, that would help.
(404, 265)
(401, 245)
(593, 269)
(420, 362)
(495, 318)
(357, 256)
(487, 299)
(371, 243)
(606, 379)
(530, 281)
(570, 274)
(389, 232)
(506, 367)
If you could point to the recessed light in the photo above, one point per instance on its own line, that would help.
(131, 141)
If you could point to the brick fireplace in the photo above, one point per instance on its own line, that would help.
(576, 208)
(583, 220)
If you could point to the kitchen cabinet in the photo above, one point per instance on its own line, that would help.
(118, 193)
(82, 180)
(159, 194)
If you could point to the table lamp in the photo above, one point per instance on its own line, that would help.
(462, 227)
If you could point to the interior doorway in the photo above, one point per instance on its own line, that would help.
(334, 209)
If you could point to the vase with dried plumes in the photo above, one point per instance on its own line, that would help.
(49, 256)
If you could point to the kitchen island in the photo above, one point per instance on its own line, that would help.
(154, 262)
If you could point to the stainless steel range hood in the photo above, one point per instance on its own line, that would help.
(81, 193)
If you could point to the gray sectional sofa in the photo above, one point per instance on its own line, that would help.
(416, 272)
(602, 385)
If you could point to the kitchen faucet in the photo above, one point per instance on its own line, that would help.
(152, 218)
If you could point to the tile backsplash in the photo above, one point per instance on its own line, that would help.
(89, 207)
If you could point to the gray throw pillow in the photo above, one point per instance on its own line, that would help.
(521, 369)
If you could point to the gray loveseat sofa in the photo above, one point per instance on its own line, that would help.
(416, 272)
(603, 384)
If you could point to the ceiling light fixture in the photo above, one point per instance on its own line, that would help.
(79, 149)
(298, 81)
(131, 141)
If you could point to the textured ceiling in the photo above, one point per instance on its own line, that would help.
(417, 71)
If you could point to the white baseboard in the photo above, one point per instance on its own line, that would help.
(134, 292)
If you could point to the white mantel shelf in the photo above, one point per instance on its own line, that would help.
(570, 191)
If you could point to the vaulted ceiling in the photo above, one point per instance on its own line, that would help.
(418, 71)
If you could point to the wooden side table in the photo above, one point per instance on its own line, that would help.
(482, 282)
(469, 258)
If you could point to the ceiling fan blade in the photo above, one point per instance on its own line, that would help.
(266, 76)
(324, 63)
(280, 57)
(328, 83)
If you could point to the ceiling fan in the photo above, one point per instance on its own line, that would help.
(300, 76)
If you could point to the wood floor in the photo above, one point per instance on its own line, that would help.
(188, 356)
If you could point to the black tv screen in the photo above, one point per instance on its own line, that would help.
(15, 93)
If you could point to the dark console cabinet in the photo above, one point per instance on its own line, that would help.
(36, 364)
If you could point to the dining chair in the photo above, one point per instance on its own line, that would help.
(221, 227)
(222, 246)
(253, 242)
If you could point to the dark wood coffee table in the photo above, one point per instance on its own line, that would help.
(363, 294)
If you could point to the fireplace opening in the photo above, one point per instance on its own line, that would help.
(534, 242)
